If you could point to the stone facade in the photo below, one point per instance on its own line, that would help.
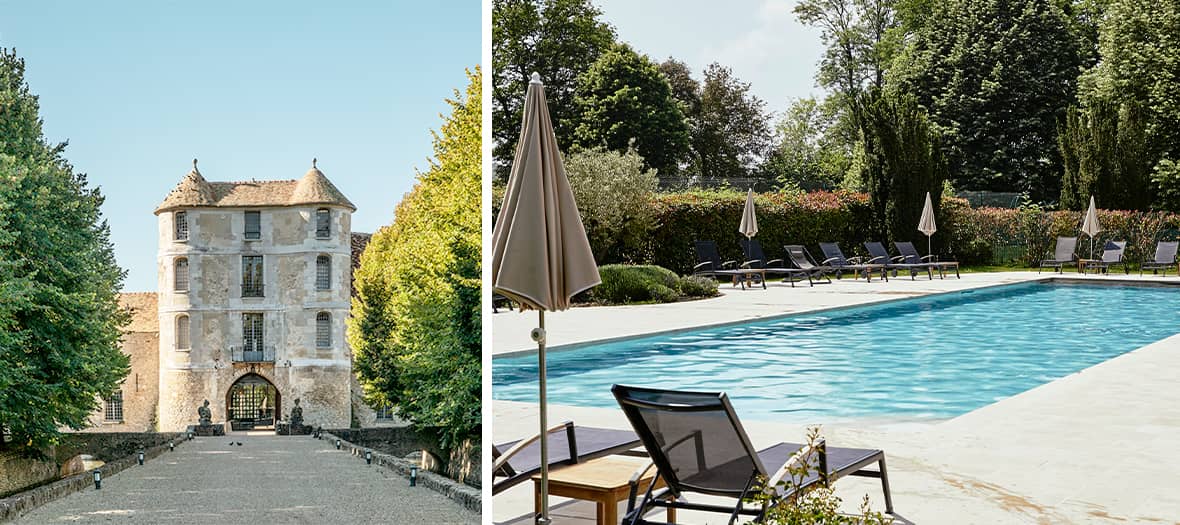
(187, 341)
(280, 222)
(140, 392)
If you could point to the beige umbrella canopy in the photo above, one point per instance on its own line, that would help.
(1090, 225)
(540, 255)
(749, 225)
(926, 224)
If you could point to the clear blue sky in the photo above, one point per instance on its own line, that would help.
(252, 89)
(761, 40)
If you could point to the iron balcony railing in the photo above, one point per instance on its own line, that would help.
(253, 354)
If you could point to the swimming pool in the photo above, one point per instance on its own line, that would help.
(925, 358)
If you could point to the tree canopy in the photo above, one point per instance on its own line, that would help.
(60, 321)
(625, 100)
(559, 39)
(415, 327)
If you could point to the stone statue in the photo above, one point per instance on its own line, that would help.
(206, 416)
(296, 415)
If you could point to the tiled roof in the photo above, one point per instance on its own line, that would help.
(142, 306)
(194, 191)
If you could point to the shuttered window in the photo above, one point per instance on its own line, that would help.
(323, 223)
(253, 225)
(183, 333)
(180, 275)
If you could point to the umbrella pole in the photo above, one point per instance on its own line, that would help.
(929, 252)
(543, 519)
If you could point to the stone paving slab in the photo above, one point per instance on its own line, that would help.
(268, 479)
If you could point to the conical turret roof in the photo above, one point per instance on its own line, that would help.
(315, 188)
(192, 191)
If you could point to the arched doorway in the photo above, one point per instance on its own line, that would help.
(252, 402)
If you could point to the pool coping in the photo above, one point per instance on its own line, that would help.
(1105, 281)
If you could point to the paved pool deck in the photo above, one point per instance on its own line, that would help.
(1098, 446)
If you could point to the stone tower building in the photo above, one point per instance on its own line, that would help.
(254, 289)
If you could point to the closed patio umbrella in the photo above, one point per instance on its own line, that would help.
(749, 225)
(926, 224)
(540, 255)
(1090, 225)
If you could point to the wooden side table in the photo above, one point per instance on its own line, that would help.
(605, 481)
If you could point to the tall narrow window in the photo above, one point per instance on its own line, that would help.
(252, 276)
(113, 408)
(323, 272)
(253, 225)
(323, 330)
(180, 275)
(323, 223)
(183, 335)
(252, 332)
(181, 220)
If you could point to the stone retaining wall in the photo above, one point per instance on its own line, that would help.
(14, 506)
(461, 464)
(465, 495)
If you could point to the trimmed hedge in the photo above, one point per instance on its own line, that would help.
(1002, 236)
(783, 218)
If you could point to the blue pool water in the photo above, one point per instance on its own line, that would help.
(931, 357)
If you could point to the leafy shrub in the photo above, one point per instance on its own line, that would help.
(623, 283)
(698, 286)
(613, 192)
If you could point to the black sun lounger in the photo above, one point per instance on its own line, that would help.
(910, 255)
(517, 461)
(709, 263)
(834, 257)
(698, 445)
(1063, 253)
(878, 253)
(753, 250)
(1165, 257)
(803, 260)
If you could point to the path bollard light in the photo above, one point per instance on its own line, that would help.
(368, 457)
(140, 457)
(171, 446)
(97, 479)
(337, 444)
(413, 476)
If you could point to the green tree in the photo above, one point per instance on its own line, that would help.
(685, 88)
(559, 39)
(731, 134)
(807, 154)
(1104, 154)
(613, 191)
(415, 326)
(996, 77)
(624, 100)
(906, 163)
(60, 321)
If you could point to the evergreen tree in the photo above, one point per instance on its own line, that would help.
(903, 161)
(624, 100)
(1104, 149)
(59, 315)
(415, 326)
(996, 77)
